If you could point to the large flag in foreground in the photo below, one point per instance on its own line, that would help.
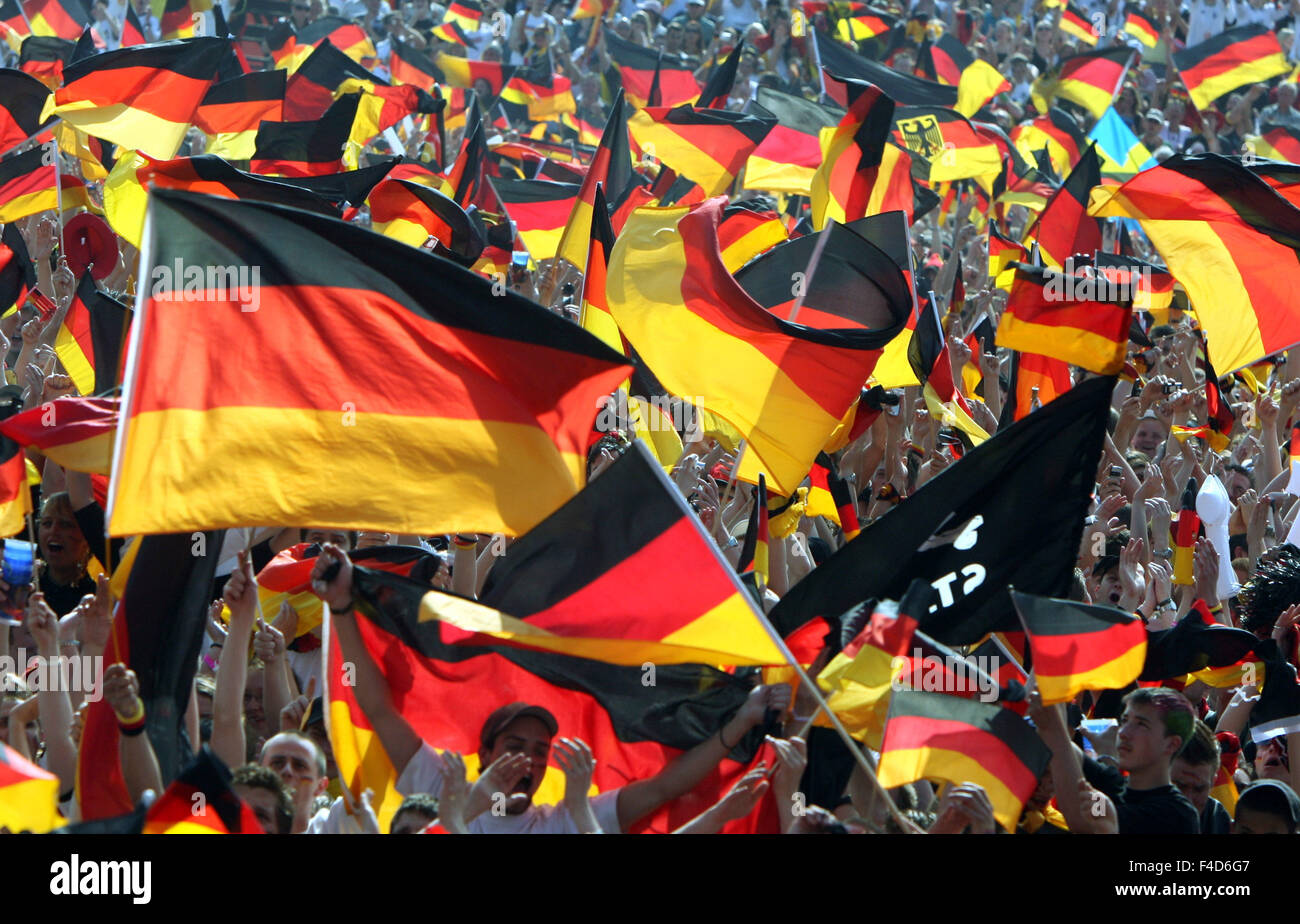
(1010, 512)
(476, 421)
(1230, 239)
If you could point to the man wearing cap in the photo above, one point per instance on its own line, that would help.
(515, 745)
(695, 13)
(1153, 127)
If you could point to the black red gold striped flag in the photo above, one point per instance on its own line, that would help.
(1079, 318)
(939, 737)
(943, 59)
(461, 72)
(28, 183)
(1187, 529)
(1276, 142)
(1232, 242)
(1058, 132)
(539, 209)
(1196, 643)
(1075, 22)
(17, 271)
(412, 213)
(1002, 253)
(381, 107)
(22, 97)
(408, 65)
(786, 159)
(505, 442)
(449, 690)
(985, 514)
(708, 145)
(233, 109)
(176, 18)
(1035, 380)
(15, 498)
(132, 32)
(200, 801)
(1064, 227)
(1151, 283)
(861, 22)
(157, 632)
(748, 229)
(718, 345)
(465, 13)
(45, 57)
(860, 170)
(29, 795)
(90, 340)
(65, 19)
(931, 362)
(1231, 59)
(310, 91)
(840, 62)
(76, 433)
(717, 88)
(344, 34)
(637, 67)
(1141, 26)
(1078, 647)
(594, 316)
(1090, 80)
(611, 169)
(126, 191)
(14, 22)
(144, 98)
(947, 141)
(309, 148)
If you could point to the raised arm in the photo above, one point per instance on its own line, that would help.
(228, 741)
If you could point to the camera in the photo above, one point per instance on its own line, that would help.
(1170, 387)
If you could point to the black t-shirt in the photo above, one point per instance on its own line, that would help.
(1163, 810)
(1215, 818)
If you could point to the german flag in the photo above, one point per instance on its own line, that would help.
(611, 169)
(1064, 228)
(943, 60)
(1002, 253)
(44, 58)
(412, 213)
(22, 97)
(308, 148)
(841, 63)
(636, 729)
(786, 159)
(864, 22)
(1078, 647)
(1141, 26)
(176, 18)
(1276, 142)
(29, 184)
(14, 21)
(1079, 319)
(539, 209)
(141, 98)
(595, 317)
(464, 13)
(15, 498)
(1197, 644)
(510, 434)
(89, 342)
(466, 172)
(717, 88)
(1059, 133)
(381, 107)
(637, 67)
(233, 109)
(947, 141)
(407, 65)
(542, 93)
(830, 496)
(157, 631)
(1034, 378)
(1231, 59)
(17, 271)
(29, 796)
(938, 737)
(587, 9)
(748, 229)
(200, 801)
(979, 83)
(132, 33)
(1152, 284)
(1074, 22)
(855, 158)
(1232, 242)
(461, 72)
(76, 433)
(708, 145)
(702, 334)
(311, 89)
(453, 33)
(928, 354)
(126, 193)
(343, 34)
(65, 19)
(1187, 529)
(1090, 80)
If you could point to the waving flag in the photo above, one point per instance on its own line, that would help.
(76, 433)
(29, 796)
(1231, 59)
(1077, 647)
(708, 145)
(788, 156)
(1090, 80)
(22, 97)
(233, 109)
(1078, 319)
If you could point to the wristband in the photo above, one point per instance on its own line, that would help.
(134, 723)
(464, 543)
(1166, 603)
(723, 740)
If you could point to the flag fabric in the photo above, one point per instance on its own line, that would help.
(611, 169)
(1002, 253)
(29, 795)
(1063, 228)
(89, 341)
(977, 528)
(594, 316)
(345, 35)
(22, 97)
(943, 59)
(15, 498)
(1058, 132)
(702, 334)
(1152, 285)
(465, 13)
(939, 737)
(44, 58)
(200, 801)
(412, 213)
(65, 19)
(717, 88)
(637, 729)
(510, 432)
(1231, 59)
(1081, 319)
(1231, 241)
(638, 66)
(1078, 647)
(1122, 153)
(17, 271)
(979, 83)
(748, 229)
(1187, 529)
(461, 72)
(1090, 80)
(1141, 26)
(157, 631)
(626, 526)
(232, 110)
(1276, 142)
(540, 209)
(141, 98)
(381, 107)
(788, 156)
(132, 32)
(862, 22)
(855, 159)
(311, 89)
(947, 141)
(1074, 22)
(1034, 378)
(29, 183)
(928, 354)
(309, 148)
(708, 145)
(839, 62)
(76, 433)
(408, 65)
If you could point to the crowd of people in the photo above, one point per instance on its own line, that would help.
(255, 699)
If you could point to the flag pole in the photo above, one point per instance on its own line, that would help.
(327, 644)
(58, 201)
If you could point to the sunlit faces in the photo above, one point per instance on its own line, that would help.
(1142, 739)
(531, 737)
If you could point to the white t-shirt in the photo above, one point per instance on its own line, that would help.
(1207, 21)
(424, 774)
